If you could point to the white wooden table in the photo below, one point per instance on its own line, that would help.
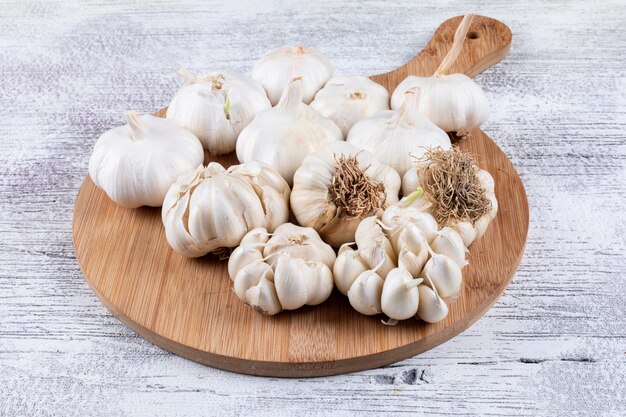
(554, 344)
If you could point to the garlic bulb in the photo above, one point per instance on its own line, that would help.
(346, 100)
(275, 70)
(398, 138)
(282, 272)
(337, 186)
(211, 208)
(135, 164)
(284, 135)
(216, 107)
(482, 184)
(454, 102)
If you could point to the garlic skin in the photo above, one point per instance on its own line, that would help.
(290, 269)
(216, 107)
(448, 242)
(314, 199)
(453, 102)
(211, 208)
(284, 135)
(135, 164)
(275, 70)
(398, 138)
(346, 100)
(399, 298)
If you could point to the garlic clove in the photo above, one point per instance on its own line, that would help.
(320, 282)
(467, 232)
(432, 308)
(255, 237)
(347, 268)
(298, 282)
(263, 297)
(249, 276)
(242, 256)
(135, 164)
(374, 246)
(399, 297)
(277, 68)
(346, 100)
(216, 107)
(444, 274)
(448, 242)
(365, 293)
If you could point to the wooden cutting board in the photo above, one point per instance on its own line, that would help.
(187, 306)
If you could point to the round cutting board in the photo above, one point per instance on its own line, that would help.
(187, 306)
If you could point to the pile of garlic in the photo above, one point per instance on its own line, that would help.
(346, 154)
(284, 270)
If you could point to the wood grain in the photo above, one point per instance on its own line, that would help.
(552, 345)
(187, 306)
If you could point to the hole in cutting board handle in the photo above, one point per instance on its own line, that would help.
(473, 35)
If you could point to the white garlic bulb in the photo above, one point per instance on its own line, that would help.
(275, 70)
(398, 138)
(135, 164)
(284, 135)
(211, 208)
(346, 100)
(216, 107)
(453, 102)
(337, 186)
(286, 271)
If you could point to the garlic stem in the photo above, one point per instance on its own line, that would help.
(413, 283)
(457, 45)
(291, 97)
(413, 197)
(134, 121)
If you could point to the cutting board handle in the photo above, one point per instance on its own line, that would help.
(488, 41)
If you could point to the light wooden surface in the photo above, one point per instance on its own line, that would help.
(553, 344)
(187, 306)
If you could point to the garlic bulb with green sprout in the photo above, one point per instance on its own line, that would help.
(454, 102)
(398, 138)
(284, 135)
(211, 208)
(216, 107)
(285, 270)
(346, 100)
(136, 164)
(339, 185)
(275, 70)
